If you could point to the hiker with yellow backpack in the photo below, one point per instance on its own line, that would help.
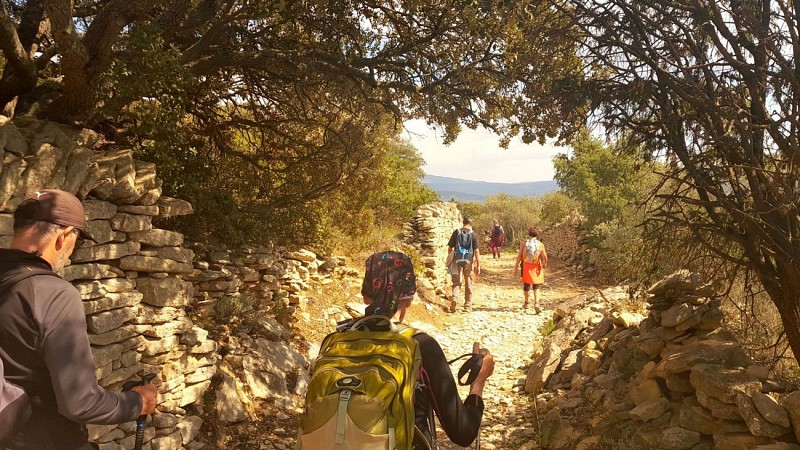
(377, 384)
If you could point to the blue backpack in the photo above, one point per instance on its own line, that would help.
(463, 248)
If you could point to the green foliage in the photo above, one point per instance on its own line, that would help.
(547, 328)
(613, 188)
(515, 214)
(400, 189)
(229, 307)
(601, 178)
(555, 207)
(367, 212)
(258, 111)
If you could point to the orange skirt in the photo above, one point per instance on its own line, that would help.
(532, 273)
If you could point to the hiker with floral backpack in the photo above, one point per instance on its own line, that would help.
(532, 257)
(349, 402)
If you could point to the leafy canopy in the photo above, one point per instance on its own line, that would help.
(255, 110)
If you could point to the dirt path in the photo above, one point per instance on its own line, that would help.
(499, 323)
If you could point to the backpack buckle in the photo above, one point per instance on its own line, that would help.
(348, 382)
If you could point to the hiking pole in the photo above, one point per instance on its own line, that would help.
(470, 369)
(142, 419)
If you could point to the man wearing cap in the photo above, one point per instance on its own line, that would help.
(44, 346)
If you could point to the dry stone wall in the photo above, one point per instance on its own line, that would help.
(131, 280)
(566, 240)
(428, 231)
(144, 292)
(673, 380)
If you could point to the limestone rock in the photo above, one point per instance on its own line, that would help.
(541, 369)
(99, 209)
(682, 359)
(131, 222)
(792, 404)
(678, 438)
(157, 237)
(556, 432)
(646, 391)
(771, 410)
(723, 384)
(171, 207)
(151, 264)
(649, 410)
(104, 252)
(165, 292)
(229, 407)
(757, 425)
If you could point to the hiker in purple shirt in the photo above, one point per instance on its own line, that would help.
(44, 347)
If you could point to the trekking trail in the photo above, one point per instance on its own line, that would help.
(500, 324)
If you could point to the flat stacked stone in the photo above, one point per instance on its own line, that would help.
(675, 379)
(130, 280)
(428, 232)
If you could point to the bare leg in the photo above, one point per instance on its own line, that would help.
(536, 304)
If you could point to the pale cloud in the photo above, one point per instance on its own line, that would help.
(477, 155)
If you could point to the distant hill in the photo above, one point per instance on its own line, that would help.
(476, 191)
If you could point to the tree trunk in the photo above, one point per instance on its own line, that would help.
(785, 294)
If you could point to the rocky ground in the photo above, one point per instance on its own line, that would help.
(497, 321)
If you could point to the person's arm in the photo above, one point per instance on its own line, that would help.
(487, 368)
(68, 356)
(460, 420)
(477, 256)
(519, 258)
(451, 244)
(543, 257)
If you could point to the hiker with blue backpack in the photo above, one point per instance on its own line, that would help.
(378, 385)
(532, 257)
(49, 389)
(463, 259)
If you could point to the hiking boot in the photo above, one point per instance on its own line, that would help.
(467, 307)
(525, 305)
(537, 309)
(452, 306)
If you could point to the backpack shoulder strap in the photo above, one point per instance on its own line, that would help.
(407, 330)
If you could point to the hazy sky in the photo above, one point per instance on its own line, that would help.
(476, 155)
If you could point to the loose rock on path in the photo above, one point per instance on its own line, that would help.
(500, 324)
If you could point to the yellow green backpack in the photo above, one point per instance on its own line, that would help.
(361, 392)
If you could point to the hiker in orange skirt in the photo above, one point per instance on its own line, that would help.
(533, 259)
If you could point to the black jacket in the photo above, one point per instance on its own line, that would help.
(45, 349)
(460, 420)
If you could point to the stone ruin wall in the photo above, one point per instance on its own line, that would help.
(675, 379)
(566, 241)
(138, 282)
(428, 232)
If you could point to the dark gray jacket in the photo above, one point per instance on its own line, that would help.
(45, 349)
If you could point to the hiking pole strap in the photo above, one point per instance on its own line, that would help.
(470, 368)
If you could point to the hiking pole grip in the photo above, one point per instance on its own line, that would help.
(140, 422)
